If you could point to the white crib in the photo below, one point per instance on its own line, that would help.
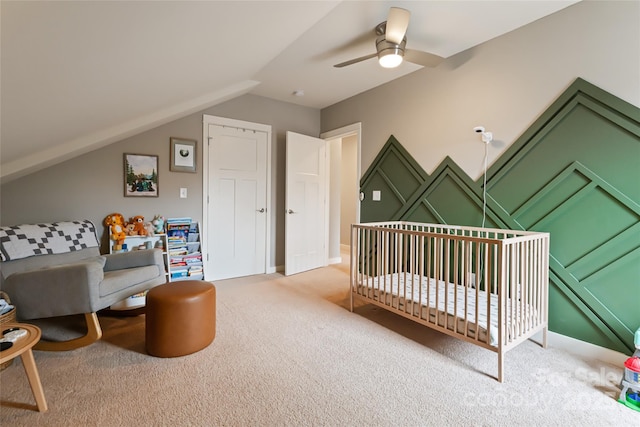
(485, 286)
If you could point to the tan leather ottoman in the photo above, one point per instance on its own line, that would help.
(180, 318)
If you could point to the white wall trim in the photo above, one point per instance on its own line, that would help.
(327, 199)
(336, 260)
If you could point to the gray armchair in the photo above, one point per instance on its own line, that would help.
(56, 269)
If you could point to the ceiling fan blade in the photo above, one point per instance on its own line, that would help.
(358, 43)
(353, 61)
(397, 24)
(422, 58)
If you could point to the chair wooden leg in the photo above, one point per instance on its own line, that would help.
(94, 333)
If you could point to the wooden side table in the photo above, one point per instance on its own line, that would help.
(22, 347)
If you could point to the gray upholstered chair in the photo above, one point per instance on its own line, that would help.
(55, 269)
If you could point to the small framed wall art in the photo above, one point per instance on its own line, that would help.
(183, 155)
(140, 175)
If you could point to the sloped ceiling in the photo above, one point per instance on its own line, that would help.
(76, 76)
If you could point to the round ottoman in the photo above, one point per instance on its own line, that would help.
(180, 318)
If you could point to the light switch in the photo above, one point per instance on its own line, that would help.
(183, 193)
(375, 196)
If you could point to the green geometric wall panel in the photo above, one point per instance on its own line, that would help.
(392, 202)
(575, 173)
(396, 175)
(450, 197)
(577, 323)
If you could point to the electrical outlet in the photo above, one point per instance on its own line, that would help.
(375, 196)
(183, 193)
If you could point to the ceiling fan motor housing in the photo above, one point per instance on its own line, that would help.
(384, 47)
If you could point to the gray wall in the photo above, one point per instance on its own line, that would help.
(91, 186)
(503, 84)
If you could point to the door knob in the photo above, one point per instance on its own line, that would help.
(261, 210)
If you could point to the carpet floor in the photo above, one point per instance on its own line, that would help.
(288, 352)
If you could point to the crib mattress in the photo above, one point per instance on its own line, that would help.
(448, 305)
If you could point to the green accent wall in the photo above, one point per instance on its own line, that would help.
(575, 173)
(397, 175)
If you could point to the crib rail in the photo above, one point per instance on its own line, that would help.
(485, 286)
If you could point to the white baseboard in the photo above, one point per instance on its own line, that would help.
(336, 260)
(271, 270)
(582, 349)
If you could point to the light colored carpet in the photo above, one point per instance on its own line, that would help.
(289, 353)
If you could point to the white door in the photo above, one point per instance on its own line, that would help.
(305, 206)
(237, 217)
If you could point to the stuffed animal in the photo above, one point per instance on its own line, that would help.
(115, 223)
(130, 229)
(151, 231)
(158, 224)
(138, 225)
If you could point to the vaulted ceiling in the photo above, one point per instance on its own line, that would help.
(76, 76)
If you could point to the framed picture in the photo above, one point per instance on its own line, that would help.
(140, 175)
(183, 155)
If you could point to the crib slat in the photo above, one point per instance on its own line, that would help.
(525, 303)
(384, 264)
(466, 271)
(487, 291)
(445, 279)
(437, 271)
(429, 274)
(380, 235)
(352, 265)
(421, 273)
(479, 278)
(502, 266)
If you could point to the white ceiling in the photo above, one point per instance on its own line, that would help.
(76, 76)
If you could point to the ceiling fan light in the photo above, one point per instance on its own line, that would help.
(390, 60)
(390, 55)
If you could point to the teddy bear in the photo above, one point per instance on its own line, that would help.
(138, 225)
(130, 229)
(115, 224)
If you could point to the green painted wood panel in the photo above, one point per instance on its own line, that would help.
(575, 173)
(451, 197)
(396, 175)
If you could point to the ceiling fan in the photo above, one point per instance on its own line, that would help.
(391, 42)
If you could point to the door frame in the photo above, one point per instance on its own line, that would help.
(241, 124)
(340, 133)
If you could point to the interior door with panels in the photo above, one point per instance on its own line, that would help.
(237, 207)
(306, 212)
